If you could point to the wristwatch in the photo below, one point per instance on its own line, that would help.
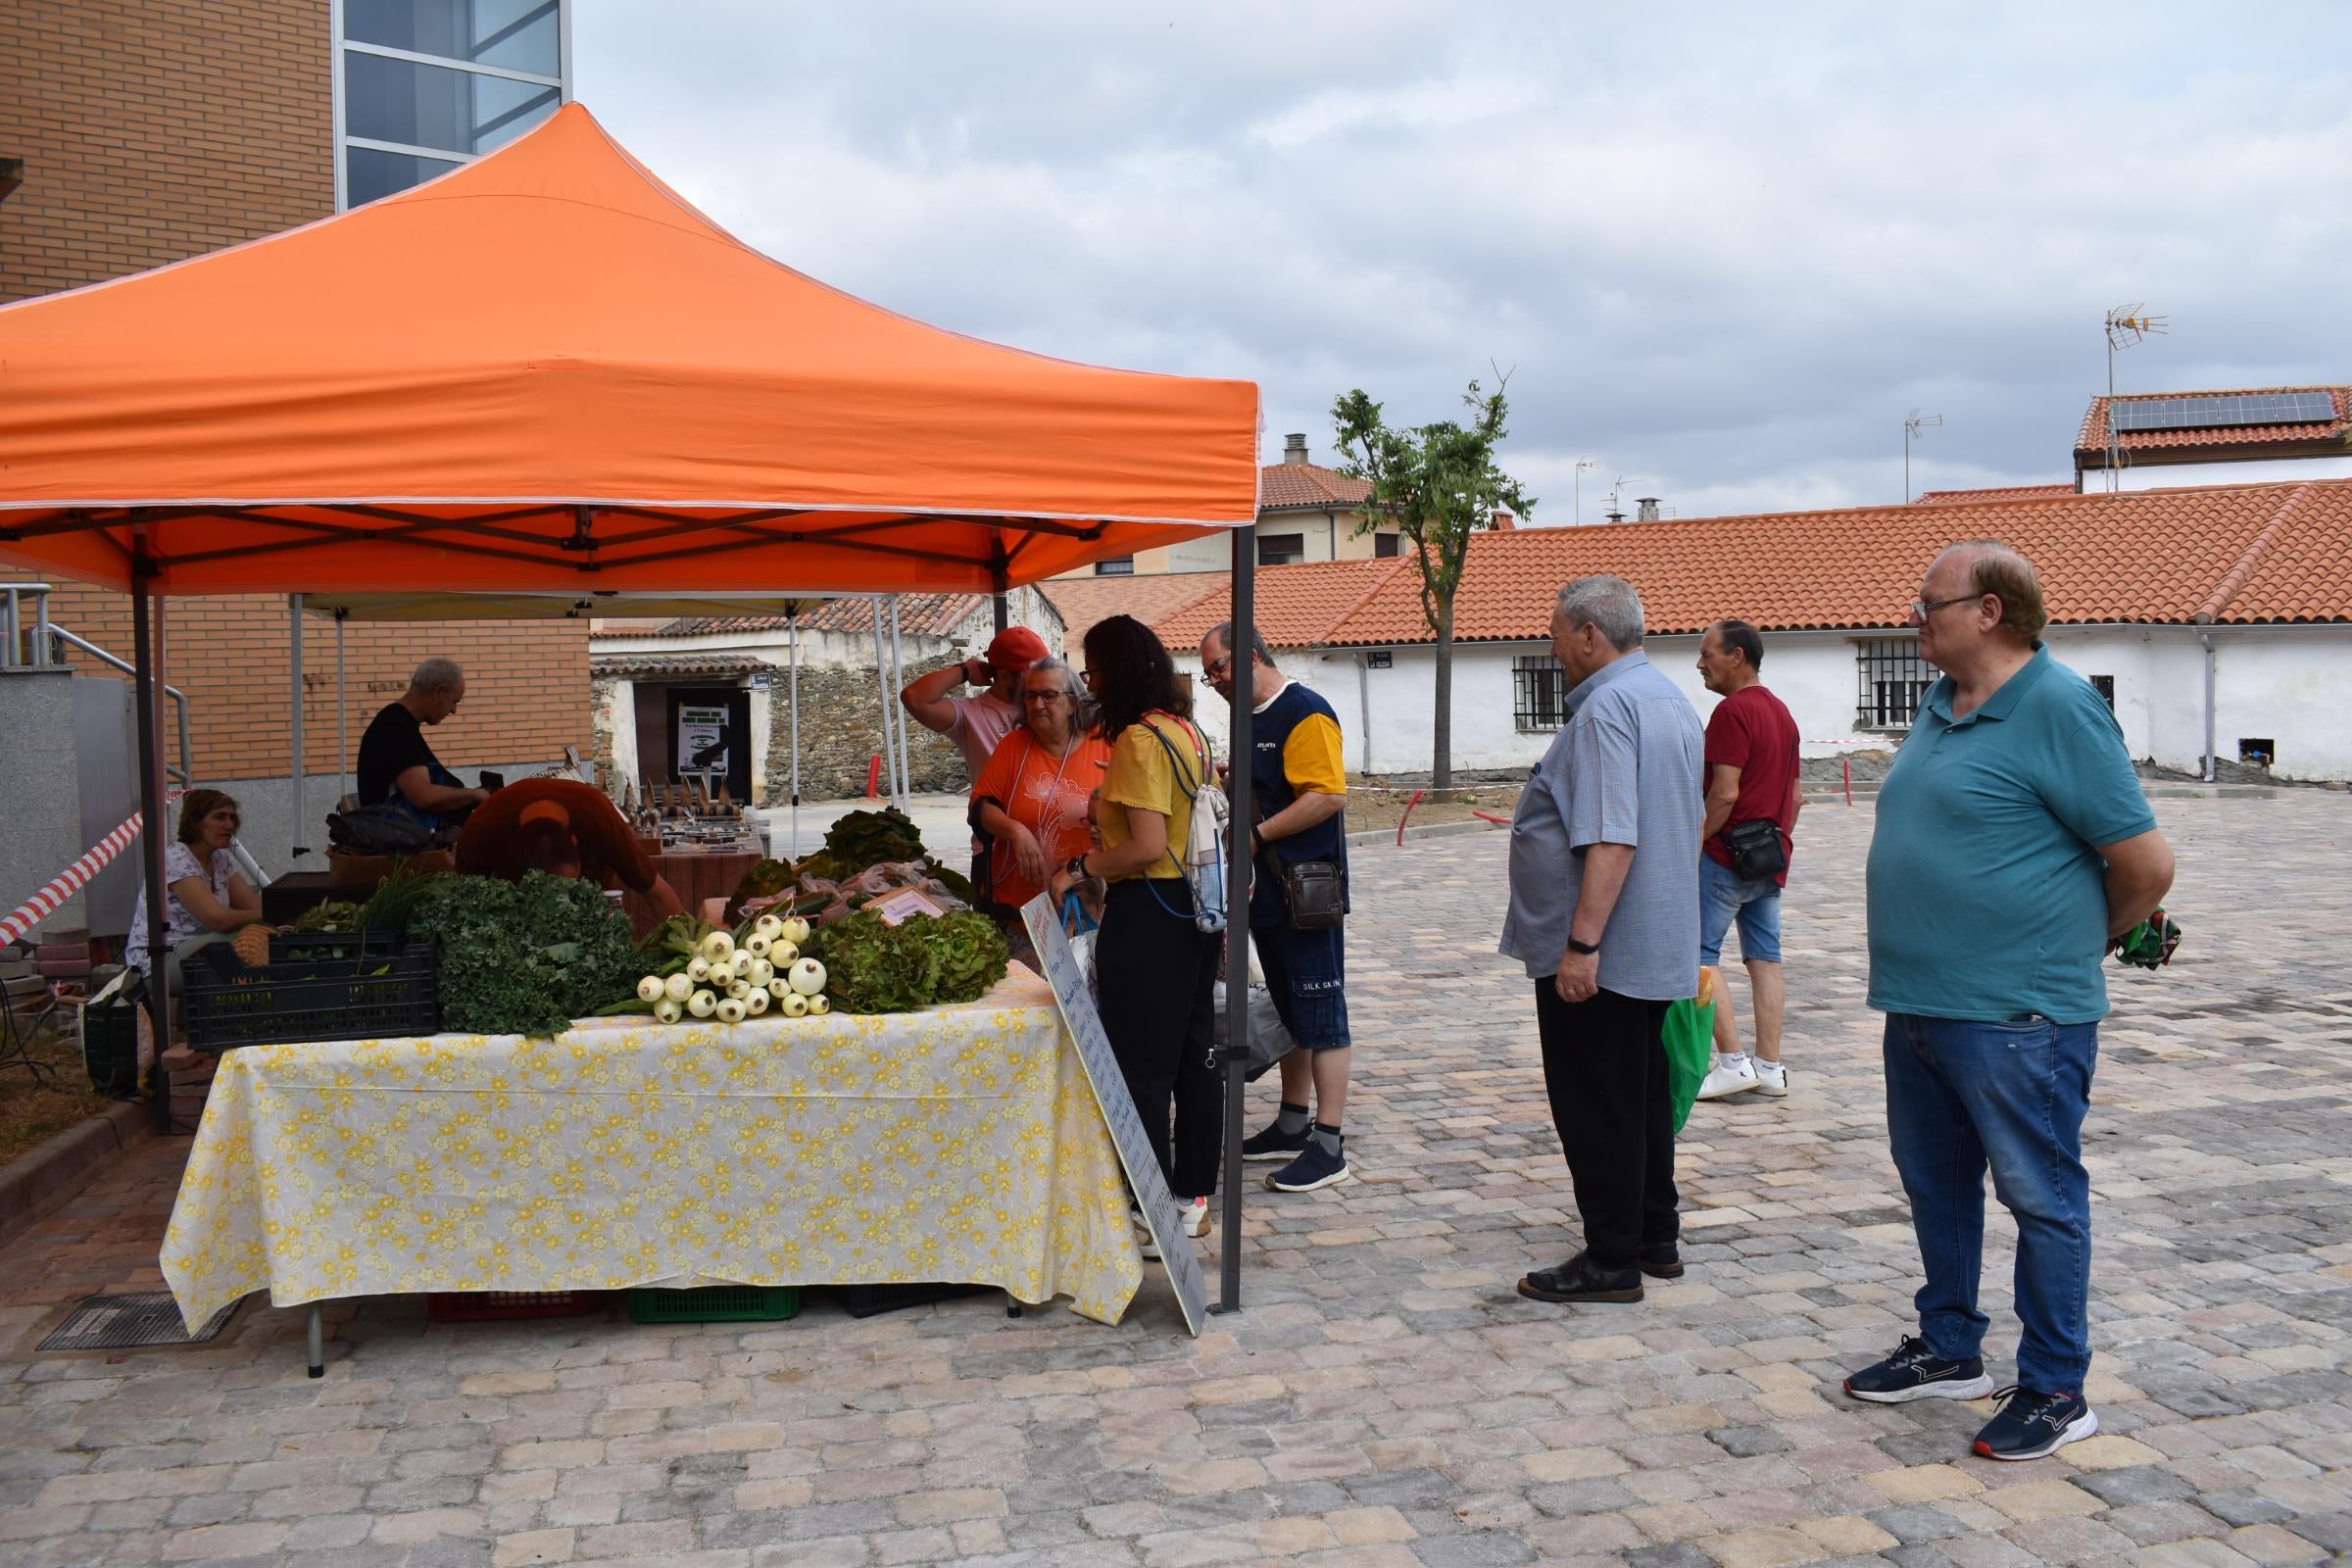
(1076, 867)
(1586, 947)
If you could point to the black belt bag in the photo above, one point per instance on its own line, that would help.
(1311, 888)
(1755, 849)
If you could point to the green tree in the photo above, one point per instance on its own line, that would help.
(1436, 484)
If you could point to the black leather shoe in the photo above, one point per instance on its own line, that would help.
(1579, 1279)
(1662, 1263)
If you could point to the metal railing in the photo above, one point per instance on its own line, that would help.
(46, 649)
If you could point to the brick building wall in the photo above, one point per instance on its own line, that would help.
(527, 682)
(157, 129)
(154, 130)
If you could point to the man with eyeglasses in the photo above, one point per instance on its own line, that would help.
(1301, 787)
(2013, 844)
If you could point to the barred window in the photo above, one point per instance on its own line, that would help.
(1539, 694)
(1895, 680)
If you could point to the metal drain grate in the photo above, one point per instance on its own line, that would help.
(120, 1322)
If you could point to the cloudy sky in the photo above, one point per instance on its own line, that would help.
(1723, 251)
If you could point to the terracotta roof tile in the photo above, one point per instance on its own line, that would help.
(2092, 440)
(1295, 605)
(1308, 484)
(676, 666)
(2156, 556)
(2013, 492)
(1148, 598)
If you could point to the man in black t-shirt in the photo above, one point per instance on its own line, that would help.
(397, 766)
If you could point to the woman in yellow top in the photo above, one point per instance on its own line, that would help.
(1153, 968)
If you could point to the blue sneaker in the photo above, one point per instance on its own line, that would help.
(1915, 1372)
(1272, 1142)
(2035, 1426)
(1312, 1168)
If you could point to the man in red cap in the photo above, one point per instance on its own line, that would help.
(564, 828)
(976, 723)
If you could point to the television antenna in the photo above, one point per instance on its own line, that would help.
(2126, 324)
(1917, 423)
(1576, 489)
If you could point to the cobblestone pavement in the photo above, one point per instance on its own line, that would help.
(1386, 1398)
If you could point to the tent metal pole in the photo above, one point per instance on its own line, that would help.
(147, 625)
(1238, 750)
(897, 678)
(342, 708)
(792, 621)
(294, 845)
(890, 757)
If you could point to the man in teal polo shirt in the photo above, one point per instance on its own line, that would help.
(2013, 846)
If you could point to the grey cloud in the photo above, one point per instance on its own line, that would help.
(1726, 249)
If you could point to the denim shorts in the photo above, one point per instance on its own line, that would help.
(1757, 903)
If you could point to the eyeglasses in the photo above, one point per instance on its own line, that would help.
(1087, 676)
(1921, 609)
(1213, 667)
(1044, 697)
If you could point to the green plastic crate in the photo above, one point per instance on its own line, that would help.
(716, 1303)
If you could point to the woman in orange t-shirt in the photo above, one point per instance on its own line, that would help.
(1031, 798)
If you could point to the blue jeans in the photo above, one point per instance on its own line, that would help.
(1724, 895)
(1961, 1097)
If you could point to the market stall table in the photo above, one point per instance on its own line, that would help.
(956, 1144)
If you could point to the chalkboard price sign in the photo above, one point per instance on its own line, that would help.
(1076, 1000)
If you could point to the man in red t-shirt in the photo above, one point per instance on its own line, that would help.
(564, 828)
(1751, 776)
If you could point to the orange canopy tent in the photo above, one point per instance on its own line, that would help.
(546, 371)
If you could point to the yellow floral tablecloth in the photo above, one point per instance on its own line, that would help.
(958, 1144)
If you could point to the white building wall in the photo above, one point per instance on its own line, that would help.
(2171, 476)
(2291, 685)
(620, 719)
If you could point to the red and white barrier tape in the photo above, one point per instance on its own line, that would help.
(63, 886)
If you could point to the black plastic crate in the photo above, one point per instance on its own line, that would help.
(317, 986)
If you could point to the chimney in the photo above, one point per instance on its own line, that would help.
(1614, 515)
(1505, 521)
(1293, 448)
(1647, 509)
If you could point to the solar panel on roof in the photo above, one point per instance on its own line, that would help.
(2224, 412)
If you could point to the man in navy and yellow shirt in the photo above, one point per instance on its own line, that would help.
(1300, 790)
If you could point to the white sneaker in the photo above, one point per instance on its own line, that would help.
(1193, 1220)
(1731, 1075)
(1771, 1078)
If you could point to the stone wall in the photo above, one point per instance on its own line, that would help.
(601, 733)
(841, 731)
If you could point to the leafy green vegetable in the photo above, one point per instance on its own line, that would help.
(762, 879)
(861, 839)
(395, 897)
(874, 966)
(336, 914)
(527, 957)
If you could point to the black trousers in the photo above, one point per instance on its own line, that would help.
(1155, 974)
(1605, 1068)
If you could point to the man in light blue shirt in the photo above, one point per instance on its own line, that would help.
(2013, 844)
(1604, 914)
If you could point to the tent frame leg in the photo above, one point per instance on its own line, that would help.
(147, 691)
(1237, 935)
